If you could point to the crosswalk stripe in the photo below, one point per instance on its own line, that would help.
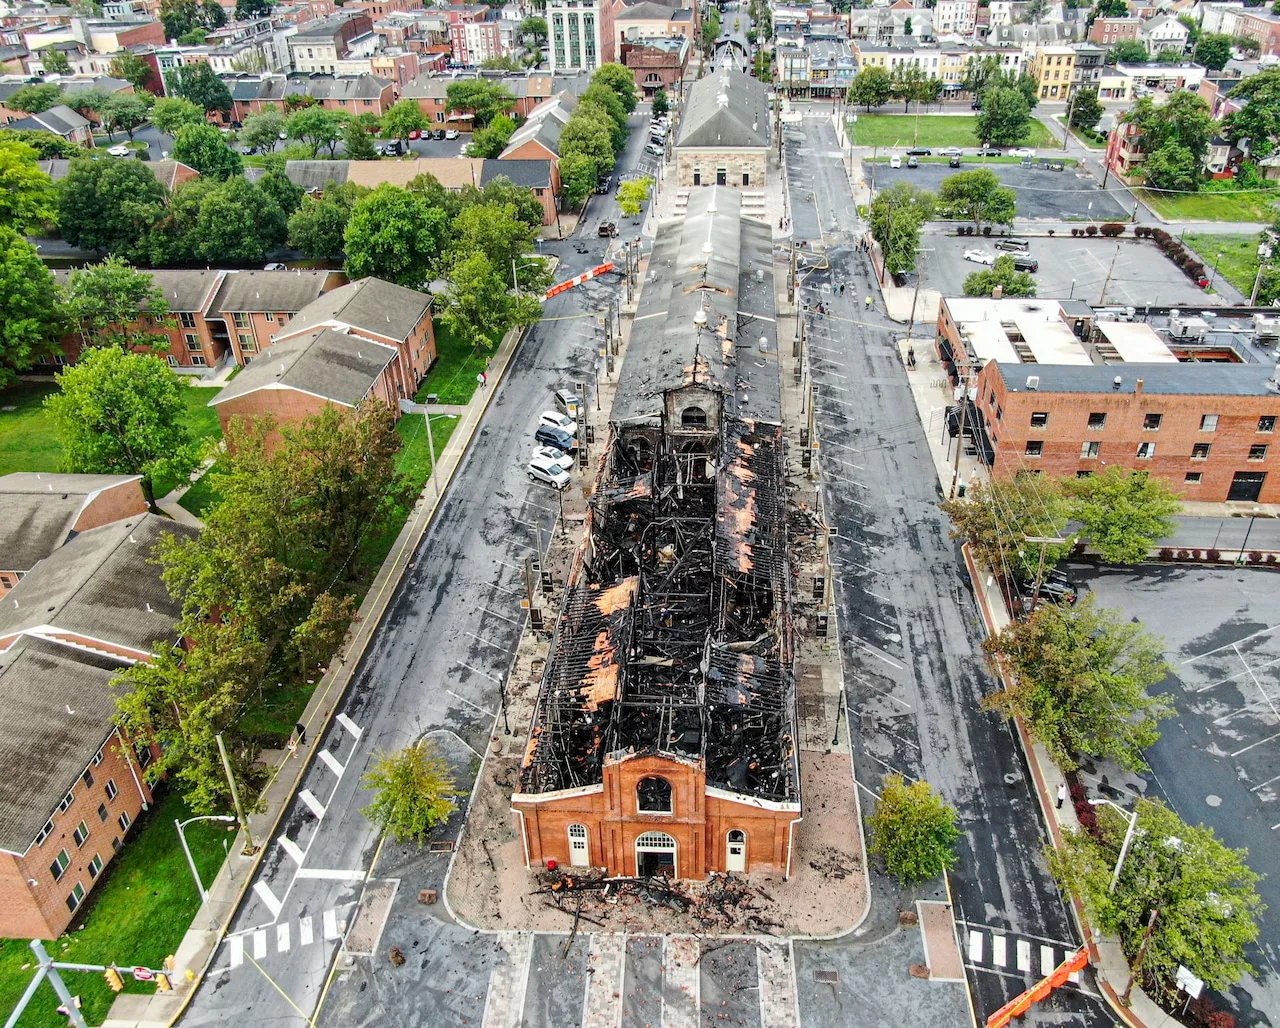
(259, 944)
(998, 955)
(268, 897)
(975, 946)
(331, 762)
(1046, 960)
(282, 937)
(237, 950)
(680, 985)
(330, 925)
(607, 954)
(304, 931)
(346, 722)
(313, 804)
(292, 848)
(776, 974)
(1024, 955)
(509, 981)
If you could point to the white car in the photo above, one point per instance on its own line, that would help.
(120, 151)
(655, 150)
(979, 256)
(451, 134)
(549, 469)
(550, 453)
(895, 161)
(274, 267)
(557, 420)
(1022, 151)
(952, 151)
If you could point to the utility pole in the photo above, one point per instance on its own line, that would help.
(235, 792)
(1066, 129)
(914, 297)
(964, 407)
(1142, 952)
(791, 279)
(431, 448)
(1044, 542)
(1257, 284)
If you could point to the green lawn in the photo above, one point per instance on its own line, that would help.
(935, 130)
(453, 376)
(28, 441)
(1239, 264)
(1212, 205)
(136, 916)
(202, 495)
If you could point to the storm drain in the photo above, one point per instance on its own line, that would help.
(441, 846)
(826, 976)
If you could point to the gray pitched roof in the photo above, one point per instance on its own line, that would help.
(58, 705)
(38, 511)
(316, 175)
(545, 130)
(321, 87)
(287, 291)
(325, 363)
(102, 585)
(531, 174)
(186, 291)
(60, 119)
(729, 108)
(370, 305)
(164, 171)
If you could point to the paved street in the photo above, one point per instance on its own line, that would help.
(910, 633)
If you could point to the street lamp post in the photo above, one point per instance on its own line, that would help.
(181, 825)
(1214, 276)
(1244, 545)
(1128, 838)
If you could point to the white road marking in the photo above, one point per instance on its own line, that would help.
(346, 722)
(998, 955)
(282, 937)
(313, 804)
(292, 848)
(478, 671)
(504, 649)
(1024, 954)
(268, 897)
(331, 875)
(259, 944)
(975, 945)
(497, 615)
(602, 1007)
(1269, 738)
(331, 762)
(776, 973)
(1046, 960)
(888, 660)
(304, 931)
(508, 982)
(237, 950)
(463, 699)
(1226, 646)
(330, 925)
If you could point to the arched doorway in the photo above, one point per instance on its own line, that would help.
(735, 853)
(579, 848)
(656, 855)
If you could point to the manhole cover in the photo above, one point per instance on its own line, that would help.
(826, 977)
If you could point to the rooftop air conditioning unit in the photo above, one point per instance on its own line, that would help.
(1033, 382)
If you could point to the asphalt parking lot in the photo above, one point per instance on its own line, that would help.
(1140, 275)
(1052, 195)
(1218, 758)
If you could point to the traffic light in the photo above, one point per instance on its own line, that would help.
(112, 975)
(162, 983)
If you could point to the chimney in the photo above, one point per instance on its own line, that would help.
(1137, 388)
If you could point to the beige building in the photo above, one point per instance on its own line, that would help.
(724, 137)
(1053, 68)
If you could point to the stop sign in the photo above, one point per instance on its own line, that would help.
(143, 974)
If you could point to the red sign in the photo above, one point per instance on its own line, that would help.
(143, 974)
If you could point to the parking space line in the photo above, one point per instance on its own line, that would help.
(1255, 745)
(237, 950)
(1024, 954)
(282, 937)
(1266, 783)
(975, 945)
(1224, 646)
(259, 944)
(1236, 647)
(304, 931)
(999, 955)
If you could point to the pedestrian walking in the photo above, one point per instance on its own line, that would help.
(1062, 793)
(911, 357)
(868, 303)
(302, 733)
(842, 289)
(483, 379)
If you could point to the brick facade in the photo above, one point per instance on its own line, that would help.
(655, 67)
(287, 406)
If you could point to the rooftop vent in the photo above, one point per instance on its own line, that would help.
(1033, 381)
(1115, 382)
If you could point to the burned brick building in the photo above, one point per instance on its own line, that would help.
(664, 736)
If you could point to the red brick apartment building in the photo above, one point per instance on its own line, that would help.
(1060, 391)
(1110, 31)
(72, 784)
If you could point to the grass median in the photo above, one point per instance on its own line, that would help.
(899, 130)
(1239, 263)
(1213, 205)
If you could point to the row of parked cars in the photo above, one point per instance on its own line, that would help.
(955, 153)
(556, 441)
(1019, 248)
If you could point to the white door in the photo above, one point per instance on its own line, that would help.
(736, 852)
(579, 854)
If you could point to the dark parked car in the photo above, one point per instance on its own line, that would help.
(919, 151)
(549, 435)
(395, 148)
(913, 162)
(607, 228)
(989, 151)
(954, 162)
(438, 134)
(604, 184)
(1026, 264)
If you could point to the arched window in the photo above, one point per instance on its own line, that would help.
(656, 855)
(579, 849)
(735, 853)
(693, 417)
(653, 796)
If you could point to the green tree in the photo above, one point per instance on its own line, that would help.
(357, 142)
(913, 831)
(1078, 676)
(170, 113)
(1192, 26)
(633, 194)
(54, 61)
(35, 98)
(195, 37)
(415, 792)
(262, 131)
(1129, 52)
(871, 87)
(27, 195)
(976, 196)
(978, 72)
(1005, 118)
(110, 206)
(600, 104)
(535, 27)
(661, 105)
(46, 145)
(394, 234)
(1086, 110)
(277, 187)
(178, 17)
(1172, 166)
(318, 127)
(252, 9)
(30, 320)
(1003, 274)
(204, 148)
(907, 82)
(132, 68)
(495, 230)
(1205, 893)
(318, 225)
(1108, 9)
(90, 103)
(403, 117)
(478, 306)
(104, 302)
(578, 177)
(1184, 119)
(173, 238)
(1124, 513)
(491, 141)
(897, 215)
(121, 413)
(589, 133)
(996, 517)
(199, 84)
(484, 99)
(238, 222)
(502, 190)
(126, 113)
(502, 62)
(1259, 120)
(621, 80)
(710, 31)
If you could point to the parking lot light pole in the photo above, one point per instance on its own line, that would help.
(1213, 277)
(181, 825)
(1128, 837)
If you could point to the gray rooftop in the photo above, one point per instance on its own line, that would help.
(60, 119)
(728, 108)
(38, 511)
(321, 87)
(101, 585)
(287, 291)
(1193, 378)
(716, 254)
(530, 174)
(326, 363)
(316, 175)
(369, 305)
(58, 705)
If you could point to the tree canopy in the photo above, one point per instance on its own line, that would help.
(29, 307)
(109, 206)
(170, 113)
(976, 196)
(1086, 110)
(1005, 118)
(996, 517)
(1004, 274)
(132, 68)
(27, 195)
(484, 99)
(34, 98)
(871, 87)
(262, 131)
(897, 215)
(201, 85)
(913, 831)
(1124, 513)
(1213, 51)
(394, 234)
(1128, 52)
(415, 792)
(203, 147)
(621, 80)
(1259, 119)
(317, 127)
(633, 194)
(319, 224)
(1184, 119)
(104, 301)
(403, 117)
(238, 222)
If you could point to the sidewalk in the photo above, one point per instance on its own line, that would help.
(200, 944)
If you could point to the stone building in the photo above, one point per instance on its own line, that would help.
(724, 135)
(664, 737)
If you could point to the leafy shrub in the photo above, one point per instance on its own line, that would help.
(1197, 554)
(1075, 231)
(1255, 556)
(1087, 815)
(1091, 231)
(1271, 558)
(1213, 554)
(986, 230)
(1112, 229)
(1184, 555)
(1050, 233)
(1166, 553)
